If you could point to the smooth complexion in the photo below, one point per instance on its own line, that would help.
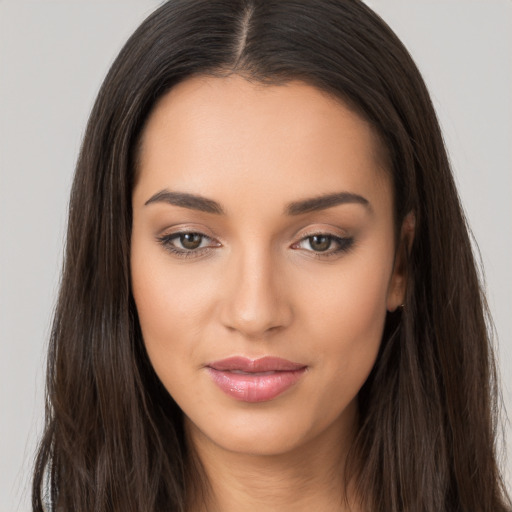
(263, 228)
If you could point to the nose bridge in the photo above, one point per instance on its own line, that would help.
(256, 303)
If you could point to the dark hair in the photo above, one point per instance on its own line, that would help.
(114, 438)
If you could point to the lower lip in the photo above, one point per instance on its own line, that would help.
(255, 387)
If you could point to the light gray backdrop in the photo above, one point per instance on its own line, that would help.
(53, 57)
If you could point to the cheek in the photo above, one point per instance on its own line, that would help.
(345, 321)
(175, 305)
(167, 308)
(351, 302)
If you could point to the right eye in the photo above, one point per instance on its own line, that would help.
(187, 243)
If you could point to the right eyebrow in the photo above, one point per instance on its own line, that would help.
(186, 200)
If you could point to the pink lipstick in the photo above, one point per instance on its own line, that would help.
(257, 380)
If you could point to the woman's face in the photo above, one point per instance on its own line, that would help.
(262, 259)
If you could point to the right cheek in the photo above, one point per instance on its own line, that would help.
(166, 316)
(174, 300)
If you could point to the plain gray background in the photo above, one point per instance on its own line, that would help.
(53, 57)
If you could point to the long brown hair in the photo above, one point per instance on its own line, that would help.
(114, 438)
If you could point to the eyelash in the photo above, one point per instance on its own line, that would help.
(166, 242)
(344, 244)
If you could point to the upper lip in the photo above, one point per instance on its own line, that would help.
(264, 364)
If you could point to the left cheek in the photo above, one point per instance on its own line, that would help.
(351, 301)
(348, 318)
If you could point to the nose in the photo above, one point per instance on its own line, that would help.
(257, 302)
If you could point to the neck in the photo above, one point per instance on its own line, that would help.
(307, 478)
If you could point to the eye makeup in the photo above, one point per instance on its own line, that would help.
(193, 244)
(187, 244)
(324, 245)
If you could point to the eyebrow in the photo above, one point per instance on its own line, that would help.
(185, 200)
(325, 201)
(203, 204)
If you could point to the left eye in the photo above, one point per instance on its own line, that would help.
(323, 243)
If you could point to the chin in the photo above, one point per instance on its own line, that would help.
(261, 438)
(266, 430)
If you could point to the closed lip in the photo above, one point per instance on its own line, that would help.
(255, 380)
(263, 364)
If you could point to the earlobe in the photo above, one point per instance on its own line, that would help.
(396, 294)
(398, 283)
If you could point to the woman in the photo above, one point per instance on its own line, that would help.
(269, 299)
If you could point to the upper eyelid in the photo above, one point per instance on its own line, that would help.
(180, 229)
(316, 232)
(335, 238)
(332, 232)
(300, 235)
(177, 234)
(322, 233)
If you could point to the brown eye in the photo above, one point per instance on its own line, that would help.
(187, 243)
(324, 244)
(320, 243)
(191, 241)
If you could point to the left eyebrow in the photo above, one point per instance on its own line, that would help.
(323, 202)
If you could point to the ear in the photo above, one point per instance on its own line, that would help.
(398, 282)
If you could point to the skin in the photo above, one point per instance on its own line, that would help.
(258, 286)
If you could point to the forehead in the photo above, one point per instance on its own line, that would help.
(215, 135)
